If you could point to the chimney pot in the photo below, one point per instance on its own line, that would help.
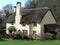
(14, 9)
(18, 2)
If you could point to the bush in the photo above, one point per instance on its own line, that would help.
(18, 36)
(24, 37)
(49, 36)
(0, 37)
(58, 36)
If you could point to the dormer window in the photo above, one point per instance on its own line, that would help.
(34, 24)
(12, 23)
(23, 24)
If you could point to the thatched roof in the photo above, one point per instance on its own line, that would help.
(30, 15)
(11, 19)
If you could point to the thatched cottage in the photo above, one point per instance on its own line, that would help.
(31, 22)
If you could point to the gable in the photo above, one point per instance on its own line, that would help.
(48, 18)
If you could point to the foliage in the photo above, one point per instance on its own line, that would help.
(58, 36)
(24, 36)
(50, 36)
(30, 4)
(18, 36)
(8, 9)
(0, 36)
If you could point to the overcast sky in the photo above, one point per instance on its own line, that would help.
(13, 2)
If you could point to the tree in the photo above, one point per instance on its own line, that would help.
(30, 4)
(4, 14)
(8, 9)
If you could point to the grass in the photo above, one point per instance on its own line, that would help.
(24, 42)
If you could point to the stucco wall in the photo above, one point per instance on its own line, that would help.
(18, 27)
(39, 31)
(21, 27)
(7, 26)
(37, 28)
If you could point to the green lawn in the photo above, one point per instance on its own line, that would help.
(21, 42)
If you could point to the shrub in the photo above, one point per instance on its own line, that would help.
(24, 37)
(0, 37)
(58, 36)
(49, 36)
(18, 36)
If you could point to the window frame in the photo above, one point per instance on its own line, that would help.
(23, 24)
(34, 24)
(25, 32)
(34, 32)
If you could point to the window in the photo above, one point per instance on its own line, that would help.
(19, 31)
(23, 24)
(25, 32)
(34, 32)
(12, 23)
(34, 23)
(10, 31)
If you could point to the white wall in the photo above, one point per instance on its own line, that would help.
(39, 31)
(18, 27)
(7, 26)
(21, 27)
(37, 28)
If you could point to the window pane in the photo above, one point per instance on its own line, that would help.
(23, 24)
(34, 32)
(25, 32)
(35, 24)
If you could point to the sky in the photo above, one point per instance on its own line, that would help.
(13, 2)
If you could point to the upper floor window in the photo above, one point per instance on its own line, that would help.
(12, 23)
(34, 24)
(23, 24)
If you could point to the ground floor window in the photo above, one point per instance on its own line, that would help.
(25, 32)
(10, 31)
(34, 32)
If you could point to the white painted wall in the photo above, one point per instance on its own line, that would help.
(37, 28)
(18, 13)
(21, 27)
(7, 26)
(18, 27)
